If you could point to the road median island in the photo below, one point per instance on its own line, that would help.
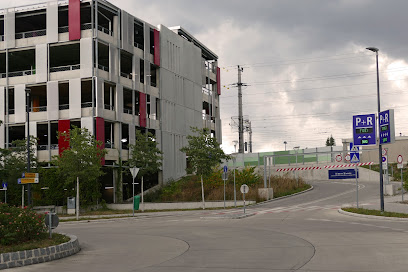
(373, 214)
(39, 255)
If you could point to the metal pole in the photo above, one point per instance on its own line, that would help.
(133, 186)
(264, 158)
(379, 143)
(224, 194)
(28, 145)
(77, 200)
(240, 117)
(244, 203)
(142, 197)
(22, 197)
(402, 187)
(235, 191)
(202, 191)
(356, 185)
(50, 224)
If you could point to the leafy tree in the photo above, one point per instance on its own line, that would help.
(330, 141)
(83, 161)
(13, 162)
(204, 154)
(145, 155)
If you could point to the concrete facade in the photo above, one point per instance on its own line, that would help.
(93, 65)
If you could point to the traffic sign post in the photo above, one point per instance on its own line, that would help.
(400, 161)
(355, 158)
(387, 127)
(225, 178)
(364, 129)
(4, 188)
(134, 171)
(244, 190)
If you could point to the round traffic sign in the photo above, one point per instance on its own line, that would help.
(400, 159)
(347, 158)
(384, 151)
(339, 158)
(54, 220)
(244, 188)
(384, 159)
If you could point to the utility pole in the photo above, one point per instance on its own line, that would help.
(250, 136)
(240, 116)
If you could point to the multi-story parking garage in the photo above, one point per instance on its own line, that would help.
(90, 64)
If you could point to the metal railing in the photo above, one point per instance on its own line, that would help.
(207, 91)
(64, 107)
(126, 75)
(3, 75)
(53, 146)
(38, 109)
(128, 111)
(109, 145)
(86, 105)
(104, 68)
(109, 107)
(21, 73)
(65, 68)
(31, 34)
(11, 111)
(63, 29)
(42, 147)
(86, 26)
(138, 45)
(105, 30)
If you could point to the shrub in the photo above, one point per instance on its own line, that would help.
(20, 225)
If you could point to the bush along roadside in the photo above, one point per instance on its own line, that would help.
(19, 225)
(188, 189)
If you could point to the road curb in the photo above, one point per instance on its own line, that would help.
(372, 216)
(283, 197)
(40, 255)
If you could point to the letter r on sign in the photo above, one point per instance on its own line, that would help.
(369, 121)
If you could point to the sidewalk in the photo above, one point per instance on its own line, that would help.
(391, 204)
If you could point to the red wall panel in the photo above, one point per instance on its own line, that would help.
(142, 110)
(63, 142)
(74, 19)
(218, 80)
(100, 134)
(157, 47)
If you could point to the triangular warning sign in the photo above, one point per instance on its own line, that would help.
(354, 148)
(354, 159)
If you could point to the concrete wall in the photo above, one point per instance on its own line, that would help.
(179, 205)
(370, 153)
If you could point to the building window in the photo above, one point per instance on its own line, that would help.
(86, 94)
(125, 136)
(30, 24)
(109, 135)
(126, 64)
(103, 57)
(63, 95)
(139, 35)
(21, 63)
(65, 58)
(42, 136)
(109, 96)
(127, 101)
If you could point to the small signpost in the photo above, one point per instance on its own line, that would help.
(355, 158)
(244, 190)
(29, 178)
(4, 188)
(134, 171)
(225, 178)
(400, 165)
(51, 221)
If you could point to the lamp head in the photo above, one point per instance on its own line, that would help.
(374, 49)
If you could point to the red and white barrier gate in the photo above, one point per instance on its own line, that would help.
(348, 165)
(297, 169)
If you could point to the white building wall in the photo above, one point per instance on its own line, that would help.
(19, 103)
(52, 21)
(41, 62)
(86, 56)
(181, 95)
(75, 98)
(52, 100)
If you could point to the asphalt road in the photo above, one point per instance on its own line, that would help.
(299, 233)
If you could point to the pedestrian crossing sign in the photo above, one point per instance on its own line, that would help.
(355, 157)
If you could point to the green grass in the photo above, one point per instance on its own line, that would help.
(41, 243)
(291, 192)
(375, 212)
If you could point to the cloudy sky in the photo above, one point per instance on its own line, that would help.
(304, 62)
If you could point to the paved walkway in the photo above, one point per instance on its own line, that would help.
(391, 204)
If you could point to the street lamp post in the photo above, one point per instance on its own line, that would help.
(373, 49)
(285, 142)
(28, 91)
